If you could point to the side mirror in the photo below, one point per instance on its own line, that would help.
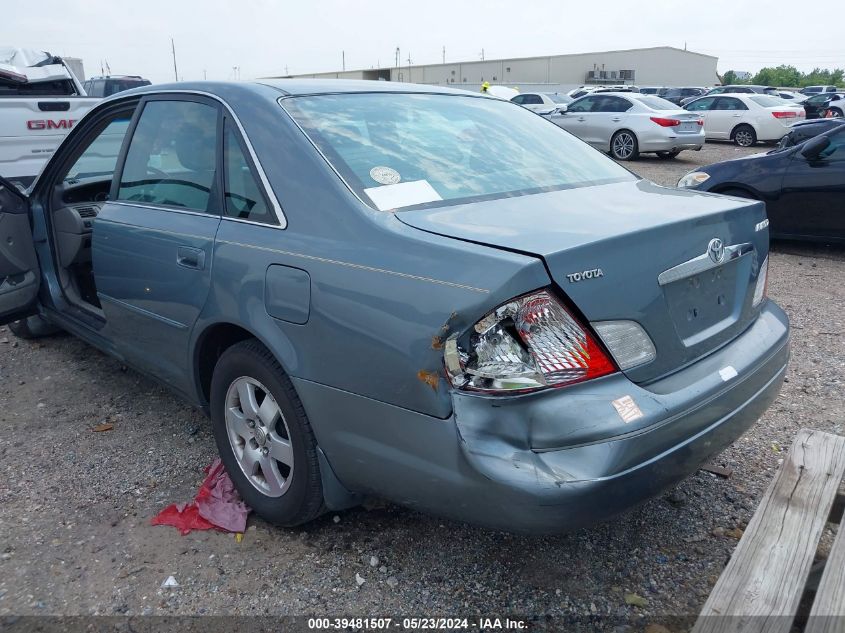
(814, 147)
(562, 108)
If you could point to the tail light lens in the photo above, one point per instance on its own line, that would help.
(785, 115)
(665, 122)
(527, 344)
(762, 286)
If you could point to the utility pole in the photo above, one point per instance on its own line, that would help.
(409, 67)
(173, 50)
(204, 74)
(482, 54)
(397, 57)
(343, 56)
(444, 54)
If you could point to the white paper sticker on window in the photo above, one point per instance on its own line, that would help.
(727, 373)
(403, 194)
(627, 409)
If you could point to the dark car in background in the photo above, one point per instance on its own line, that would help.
(825, 104)
(677, 95)
(802, 185)
(112, 84)
(805, 130)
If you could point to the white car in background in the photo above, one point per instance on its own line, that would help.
(627, 124)
(540, 102)
(746, 118)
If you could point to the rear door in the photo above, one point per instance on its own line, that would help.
(724, 116)
(153, 241)
(812, 201)
(19, 271)
(609, 115)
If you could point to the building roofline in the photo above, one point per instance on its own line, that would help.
(501, 59)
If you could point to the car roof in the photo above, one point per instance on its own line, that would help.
(299, 87)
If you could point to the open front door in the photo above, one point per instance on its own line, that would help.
(19, 272)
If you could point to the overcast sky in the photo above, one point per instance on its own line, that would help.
(265, 38)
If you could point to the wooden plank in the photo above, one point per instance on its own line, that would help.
(828, 612)
(761, 586)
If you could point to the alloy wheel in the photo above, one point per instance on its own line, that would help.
(744, 138)
(259, 436)
(623, 145)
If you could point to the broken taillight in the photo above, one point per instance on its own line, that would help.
(529, 343)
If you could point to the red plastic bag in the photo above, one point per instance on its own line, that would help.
(216, 506)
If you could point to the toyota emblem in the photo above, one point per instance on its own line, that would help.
(716, 250)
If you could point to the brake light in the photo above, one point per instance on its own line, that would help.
(665, 122)
(527, 344)
(785, 115)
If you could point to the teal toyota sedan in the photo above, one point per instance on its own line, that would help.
(423, 294)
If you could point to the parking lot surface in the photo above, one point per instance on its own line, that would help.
(75, 504)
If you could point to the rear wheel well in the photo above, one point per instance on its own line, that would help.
(213, 342)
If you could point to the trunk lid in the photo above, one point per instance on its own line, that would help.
(636, 234)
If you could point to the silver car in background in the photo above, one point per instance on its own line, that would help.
(627, 124)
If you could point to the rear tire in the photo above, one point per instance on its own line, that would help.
(624, 145)
(744, 135)
(264, 437)
(836, 113)
(669, 155)
(33, 327)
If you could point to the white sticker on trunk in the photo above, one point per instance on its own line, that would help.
(627, 409)
(403, 194)
(727, 373)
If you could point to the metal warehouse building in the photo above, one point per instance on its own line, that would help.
(657, 66)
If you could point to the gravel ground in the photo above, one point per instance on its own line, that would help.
(75, 504)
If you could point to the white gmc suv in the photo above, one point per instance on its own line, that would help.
(40, 101)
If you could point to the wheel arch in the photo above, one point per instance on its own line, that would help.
(744, 124)
(210, 343)
(619, 131)
(735, 186)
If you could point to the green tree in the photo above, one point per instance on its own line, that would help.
(729, 78)
(782, 75)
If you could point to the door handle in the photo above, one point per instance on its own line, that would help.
(736, 116)
(189, 257)
(616, 119)
(580, 118)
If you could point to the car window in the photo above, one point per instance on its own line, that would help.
(402, 150)
(766, 101)
(729, 103)
(583, 105)
(836, 149)
(612, 104)
(705, 103)
(244, 196)
(518, 99)
(172, 156)
(532, 100)
(100, 157)
(656, 103)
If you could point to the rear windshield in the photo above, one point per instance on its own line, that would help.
(656, 103)
(403, 150)
(766, 101)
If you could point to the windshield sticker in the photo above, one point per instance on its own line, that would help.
(403, 194)
(385, 175)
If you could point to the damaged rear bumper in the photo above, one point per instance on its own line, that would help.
(556, 460)
(562, 460)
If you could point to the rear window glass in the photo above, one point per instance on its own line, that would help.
(656, 103)
(766, 101)
(402, 150)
